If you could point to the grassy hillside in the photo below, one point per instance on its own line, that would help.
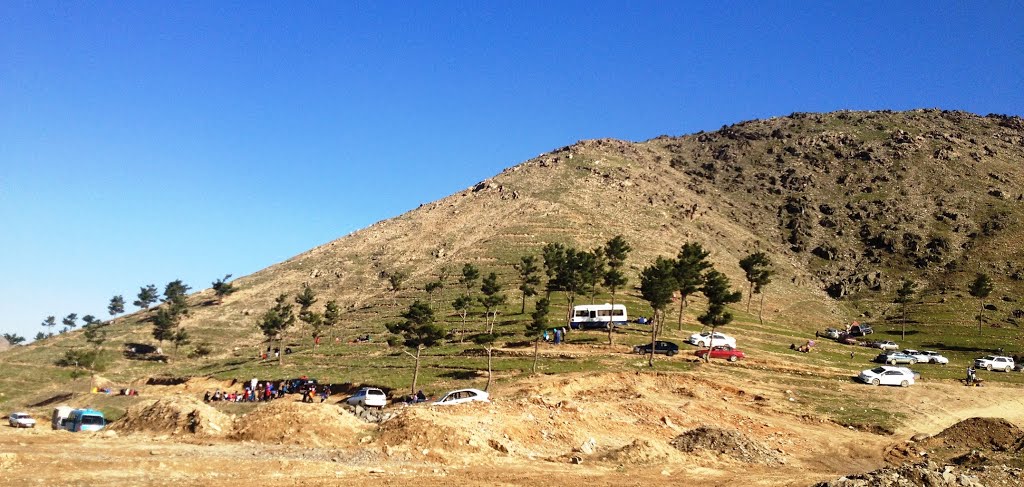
(846, 204)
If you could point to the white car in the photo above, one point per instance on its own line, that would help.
(705, 339)
(21, 420)
(368, 397)
(887, 375)
(463, 396)
(994, 362)
(927, 357)
(886, 345)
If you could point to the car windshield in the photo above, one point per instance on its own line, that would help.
(93, 420)
(20, 416)
(988, 357)
(878, 370)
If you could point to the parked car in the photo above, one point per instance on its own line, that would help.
(370, 397)
(887, 375)
(463, 396)
(859, 330)
(830, 333)
(846, 339)
(927, 357)
(885, 345)
(705, 339)
(21, 420)
(660, 346)
(893, 358)
(722, 352)
(994, 362)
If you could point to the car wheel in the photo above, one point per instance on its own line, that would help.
(892, 362)
(904, 384)
(733, 358)
(913, 361)
(989, 367)
(875, 382)
(670, 353)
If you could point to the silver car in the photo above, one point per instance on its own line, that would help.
(21, 420)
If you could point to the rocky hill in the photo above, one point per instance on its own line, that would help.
(846, 204)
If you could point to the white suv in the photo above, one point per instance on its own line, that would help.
(994, 362)
(368, 397)
(705, 339)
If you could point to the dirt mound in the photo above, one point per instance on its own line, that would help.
(640, 452)
(982, 433)
(421, 428)
(730, 443)
(296, 423)
(175, 415)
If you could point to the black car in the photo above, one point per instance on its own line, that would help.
(667, 348)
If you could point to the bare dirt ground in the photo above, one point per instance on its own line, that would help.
(581, 430)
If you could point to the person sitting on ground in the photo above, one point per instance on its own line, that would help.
(420, 396)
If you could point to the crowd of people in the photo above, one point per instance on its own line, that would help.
(258, 391)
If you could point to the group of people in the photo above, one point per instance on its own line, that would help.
(557, 335)
(415, 398)
(257, 391)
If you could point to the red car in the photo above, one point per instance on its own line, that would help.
(727, 353)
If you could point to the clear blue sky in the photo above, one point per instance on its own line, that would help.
(141, 142)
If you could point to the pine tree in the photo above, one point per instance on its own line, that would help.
(757, 267)
(14, 338)
(487, 340)
(276, 321)
(174, 295)
(40, 336)
(535, 328)
(50, 322)
(981, 288)
(306, 299)
(717, 289)
(529, 278)
(165, 322)
(461, 305)
(116, 305)
(70, 321)
(491, 299)
(657, 285)
(691, 262)
(178, 338)
(332, 315)
(222, 288)
(147, 296)
(554, 255)
(615, 251)
(904, 295)
(419, 331)
(431, 288)
(470, 274)
(90, 320)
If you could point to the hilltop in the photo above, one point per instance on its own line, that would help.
(846, 205)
